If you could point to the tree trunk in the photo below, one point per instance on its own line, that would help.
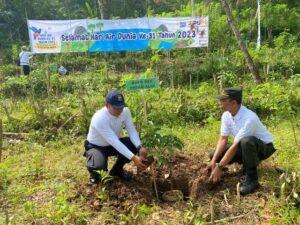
(193, 8)
(241, 44)
(100, 5)
(238, 4)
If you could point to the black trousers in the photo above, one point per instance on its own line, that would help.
(26, 70)
(96, 157)
(250, 152)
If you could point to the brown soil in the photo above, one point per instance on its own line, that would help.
(188, 175)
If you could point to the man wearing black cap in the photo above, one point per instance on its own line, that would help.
(252, 141)
(103, 139)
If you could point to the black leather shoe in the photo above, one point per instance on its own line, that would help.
(94, 178)
(94, 181)
(122, 175)
(250, 184)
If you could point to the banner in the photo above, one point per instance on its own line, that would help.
(47, 36)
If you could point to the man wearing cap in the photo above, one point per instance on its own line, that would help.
(103, 139)
(252, 141)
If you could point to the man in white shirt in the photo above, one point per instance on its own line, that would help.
(252, 141)
(24, 57)
(104, 140)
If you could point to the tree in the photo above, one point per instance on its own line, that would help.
(241, 44)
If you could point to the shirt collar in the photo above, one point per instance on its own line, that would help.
(239, 113)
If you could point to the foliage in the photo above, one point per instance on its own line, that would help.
(290, 187)
(104, 179)
(55, 110)
(162, 146)
(64, 211)
(277, 59)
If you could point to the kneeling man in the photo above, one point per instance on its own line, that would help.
(252, 141)
(103, 139)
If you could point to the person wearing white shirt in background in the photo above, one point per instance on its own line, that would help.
(62, 70)
(24, 57)
(104, 140)
(252, 141)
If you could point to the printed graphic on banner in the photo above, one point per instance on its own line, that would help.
(117, 35)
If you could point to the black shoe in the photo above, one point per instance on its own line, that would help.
(121, 174)
(251, 182)
(94, 181)
(94, 178)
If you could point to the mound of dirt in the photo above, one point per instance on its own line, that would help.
(188, 175)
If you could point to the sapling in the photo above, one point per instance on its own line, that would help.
(161, 148)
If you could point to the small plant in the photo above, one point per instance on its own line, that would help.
(162, 148)
(290, 187)
(136, 214)
(62, 209)
(104, 178)
(193, 214)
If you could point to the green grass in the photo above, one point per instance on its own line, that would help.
(40, 176)
(39, 182)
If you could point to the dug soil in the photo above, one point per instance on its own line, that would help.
(188, 175)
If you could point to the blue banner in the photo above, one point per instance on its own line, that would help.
(117, 35)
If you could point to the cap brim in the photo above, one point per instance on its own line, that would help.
(221, 97)
(119, 106)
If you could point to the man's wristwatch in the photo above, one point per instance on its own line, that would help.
(219, 165)
(139, 147)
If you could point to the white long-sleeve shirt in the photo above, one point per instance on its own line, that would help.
(245, 123)
(105, 130)
(24, 58)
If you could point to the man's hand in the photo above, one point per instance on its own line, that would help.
(143, 153)
(138, 162)
(210, 167)
(215, 175)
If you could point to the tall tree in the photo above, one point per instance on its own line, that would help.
(101, 9)
(241, 44)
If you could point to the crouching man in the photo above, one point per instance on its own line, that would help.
(103, 140)
(252, 141)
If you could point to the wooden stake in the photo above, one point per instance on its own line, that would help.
(212, 212)
(145, 105)
(238, 198)
(154, 181)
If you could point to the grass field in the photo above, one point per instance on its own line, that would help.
(39, 185)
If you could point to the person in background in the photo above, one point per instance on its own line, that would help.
(103, 140)
(252, 141)
(24, 57)
(62, 71)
